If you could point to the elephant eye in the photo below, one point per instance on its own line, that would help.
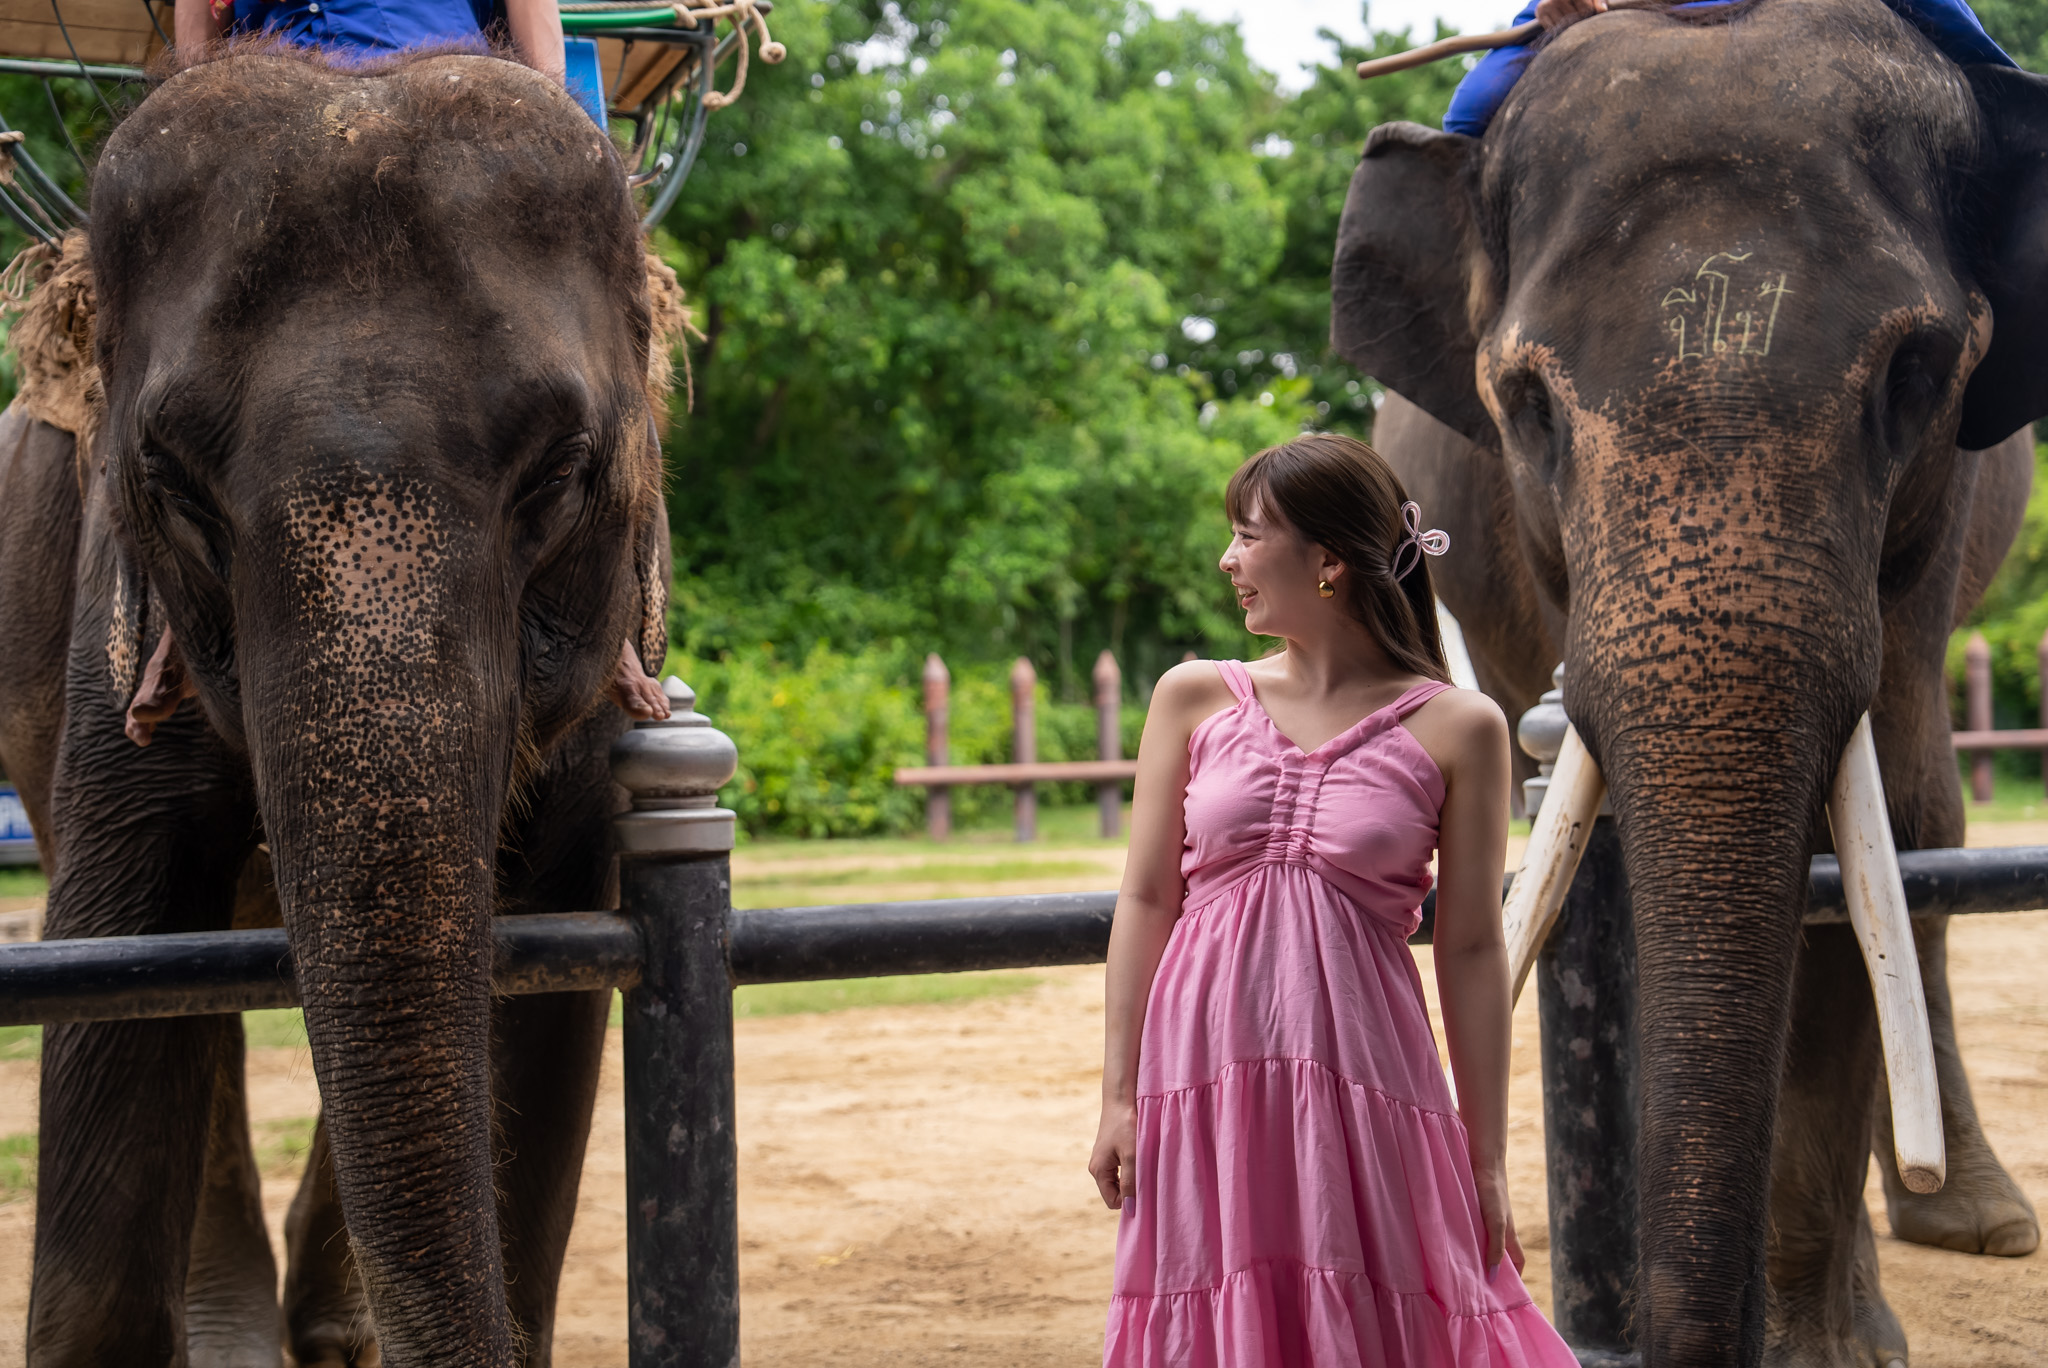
(563, 464)
(1531, 419)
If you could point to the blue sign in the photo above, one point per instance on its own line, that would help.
(13, 816)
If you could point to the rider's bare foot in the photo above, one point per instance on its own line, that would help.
(164, 686)
(633, 690)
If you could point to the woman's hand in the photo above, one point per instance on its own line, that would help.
(1492, 1181)
(1554, 13)
(1113, 1164)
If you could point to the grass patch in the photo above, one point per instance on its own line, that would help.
(22, 881)
(21, 1042)
(17, 1166)
(896, 990)
(934, 871)
(279, 1028)
(283, 1028)
(282, 1146)
(838, 995)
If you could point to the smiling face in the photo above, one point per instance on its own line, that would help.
(1275, 571)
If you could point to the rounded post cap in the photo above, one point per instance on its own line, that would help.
(673, 767)
(1541, 729)
(1023, 673)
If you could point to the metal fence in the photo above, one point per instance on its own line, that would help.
(677, 947)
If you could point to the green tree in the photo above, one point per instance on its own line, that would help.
(950, 260)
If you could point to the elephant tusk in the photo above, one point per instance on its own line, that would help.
(1877, 911)
(1556, 843)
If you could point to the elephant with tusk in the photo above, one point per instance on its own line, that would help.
(364, 368)
(1713, 356)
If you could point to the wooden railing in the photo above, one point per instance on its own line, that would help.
(1107, 773)
(1978, 739)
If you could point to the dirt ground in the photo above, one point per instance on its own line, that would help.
(912, 1190)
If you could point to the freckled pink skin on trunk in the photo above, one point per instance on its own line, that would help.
(385, 877)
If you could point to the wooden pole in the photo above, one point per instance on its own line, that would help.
(2041, 664)
(1109, 740)
(938, 802)
(1024, 742)
(1977, 707)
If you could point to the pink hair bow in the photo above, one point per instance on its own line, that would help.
(1408, 554)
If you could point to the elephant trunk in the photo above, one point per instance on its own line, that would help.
(1717, 798)
(381, 719)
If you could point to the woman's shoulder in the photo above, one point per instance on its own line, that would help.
(1192, 690)
(1459, 723)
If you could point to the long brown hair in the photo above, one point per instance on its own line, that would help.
(1341, 494)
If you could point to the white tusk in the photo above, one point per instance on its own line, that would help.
(1877, 911)
(1552, 856)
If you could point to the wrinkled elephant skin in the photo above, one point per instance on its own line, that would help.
(1719, 314)
(378, 451)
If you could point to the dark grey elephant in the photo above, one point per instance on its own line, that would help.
(376, 446)
(1716, 339)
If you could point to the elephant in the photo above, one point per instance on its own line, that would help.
(372, 359)
(1714, 356)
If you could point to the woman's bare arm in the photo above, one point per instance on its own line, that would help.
(1147, 907)
(194, 27)
(1471, 959)
(536, 27)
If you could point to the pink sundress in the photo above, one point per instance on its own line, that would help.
(1304, 1195)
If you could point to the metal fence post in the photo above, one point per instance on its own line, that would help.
(682, 1160)
(1109, 741)
(1586, 1000)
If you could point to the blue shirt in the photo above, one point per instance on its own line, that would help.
(369, 27)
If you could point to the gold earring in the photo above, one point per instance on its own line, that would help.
(1323, 588)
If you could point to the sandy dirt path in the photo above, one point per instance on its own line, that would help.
(912, 1190)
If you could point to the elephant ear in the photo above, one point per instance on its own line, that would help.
(2009, 388)
(1408, 250)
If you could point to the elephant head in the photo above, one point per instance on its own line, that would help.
(374, 345)
(1724, 290)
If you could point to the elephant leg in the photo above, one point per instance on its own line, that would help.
(327, 1317)
(150, 845)
(1980, 1209)
(1824, 1300)
(123, 1131)
(545, 1054)
(231, 1281)
(545, 1051)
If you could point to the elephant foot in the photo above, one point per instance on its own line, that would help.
(1980, 1212)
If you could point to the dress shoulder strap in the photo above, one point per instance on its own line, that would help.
(1417, 696)
(1235, 678)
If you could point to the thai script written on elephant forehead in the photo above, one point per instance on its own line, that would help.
(1726, 307)
(369, 558)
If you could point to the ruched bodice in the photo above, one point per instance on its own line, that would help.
(1303, 1194)
(1358, 811)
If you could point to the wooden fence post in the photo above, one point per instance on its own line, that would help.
(1109, 740)
(1024, 742)
(2041, 664)
(1977, 708)
(938, 801)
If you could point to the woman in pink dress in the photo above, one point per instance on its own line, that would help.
(1297, 1184)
